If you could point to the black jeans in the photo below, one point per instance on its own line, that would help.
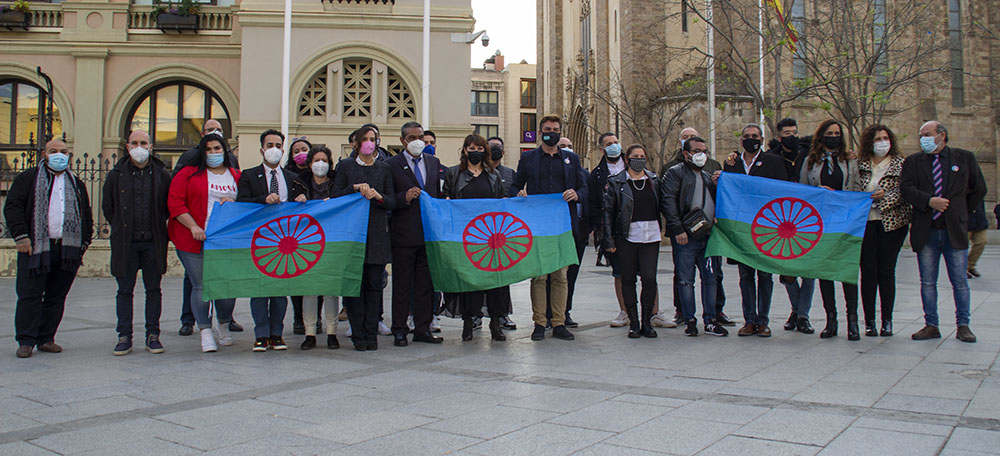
(720, 294)
(829, 294)
(638, 260)
(496, 303)
(756, 288)
(879, 251)
(363, 311)
(41, 299)
(140, 256)
(411, 288)
(187, 316)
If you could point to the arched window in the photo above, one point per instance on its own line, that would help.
(357, 90)
(173, 114)
(22, 104)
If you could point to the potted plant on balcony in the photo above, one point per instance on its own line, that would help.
(176, 16)
(15, 15)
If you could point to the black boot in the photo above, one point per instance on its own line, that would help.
(852, 328)
(870, 330)
(886, 328)
(831, 326)
(496, 330)
(792, 322)
(467, 329)
(646, 329)
(633, 321)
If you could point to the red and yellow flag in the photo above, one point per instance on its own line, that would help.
(793, 36)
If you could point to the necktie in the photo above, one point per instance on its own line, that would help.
(274, 182)
(416, 171)
(938, 182)
(829, 162)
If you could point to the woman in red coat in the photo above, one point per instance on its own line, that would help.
(193, 192)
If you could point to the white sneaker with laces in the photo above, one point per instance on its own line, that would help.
(348, 331)
(222, 334)
(661, 321)
(208, 341)
(383, 330)
(409, 322)
(436, 324)
(620, 320)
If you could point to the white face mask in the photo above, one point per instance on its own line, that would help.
(217, 132)
(273, 155)
(139, 154)
(882, 147)
(415, 148)
(699, 159)
(320, 168)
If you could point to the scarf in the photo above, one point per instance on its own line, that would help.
(40, 260)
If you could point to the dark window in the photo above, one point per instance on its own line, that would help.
(528, 125)
(487, 131)
(684, 15)
(528, 93)
(798, 19)
(485, 103)
(173, 115)
(22, 105)
(955, 43)
(881, 58)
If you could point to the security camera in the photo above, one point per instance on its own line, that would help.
(486, 40)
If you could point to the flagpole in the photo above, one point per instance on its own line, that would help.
(711, 76)
(285, 67)
(760, 53)
(425, 108)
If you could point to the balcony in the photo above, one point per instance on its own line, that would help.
(42, 18)
(214, 20)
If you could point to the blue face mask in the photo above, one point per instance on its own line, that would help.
(613, 150)
(927, 144)
(213, 160)
(58, 161)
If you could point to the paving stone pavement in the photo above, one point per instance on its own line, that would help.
(601, 394)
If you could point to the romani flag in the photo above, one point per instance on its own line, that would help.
(288, 249)
(480, 244)
(790, 229)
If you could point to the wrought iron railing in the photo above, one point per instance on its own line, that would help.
(208, 19)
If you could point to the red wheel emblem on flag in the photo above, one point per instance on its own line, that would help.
(496, 241)
(786, 228)
(288, 246)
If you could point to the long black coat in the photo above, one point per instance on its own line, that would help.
(965, 188)
(118, 211)
(378, 248)
(19, 208)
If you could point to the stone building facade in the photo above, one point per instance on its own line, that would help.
(503, 104)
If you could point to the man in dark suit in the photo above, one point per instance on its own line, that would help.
(753, 161)
(268, 183)
(549, 169)
(412, 171)
(944, 185)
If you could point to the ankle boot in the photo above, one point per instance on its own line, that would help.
(647, 326)
(886, 328)
(496, 331)
(870, 330)
(633, 321)
(467, 329)
(831, 326)
(852, 328)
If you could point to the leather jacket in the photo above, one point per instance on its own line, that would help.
(618, 206)
(455, 181)
(677, 188)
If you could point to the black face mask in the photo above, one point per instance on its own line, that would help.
(496, 152)
(637, 164)
(550, 139)
(790, 143)
(832, 142)
(476, 157)
(751, 145)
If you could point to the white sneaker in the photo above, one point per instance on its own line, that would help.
(222, 334)
(620, 320)
(383, 330)
(409, 322)
(436, 324)
(208, 341)
(660, 321)
(348, 331)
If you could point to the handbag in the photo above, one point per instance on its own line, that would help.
(695, 222)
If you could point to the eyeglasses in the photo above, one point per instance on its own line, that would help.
(300, 138)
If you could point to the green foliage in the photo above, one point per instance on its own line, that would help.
(181, 8)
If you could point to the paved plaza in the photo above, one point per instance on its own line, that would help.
(601, 394)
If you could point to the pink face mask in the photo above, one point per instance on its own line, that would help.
(367, 148)
(300, 158)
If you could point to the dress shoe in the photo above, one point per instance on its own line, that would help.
(853, 333)
(748, 329)
(496, 329)
(964, 334)
(927, 332)
(360, 346)
(803, 326)
(560, 332)
(427, 338)
(467, 329)
(537, 334)
(763, 331)
(831, 326)
(309, 343)
(372, 346)
(399, 340)
(50, 347)
(298, 328)
(974, 272)
(332, 342)
(24, 351)
(870, 330)
(723, 319)
(186, 330)
(886, 328)
(235, 327)
(793, 320)
(570, 323)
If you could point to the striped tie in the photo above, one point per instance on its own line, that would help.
(938, 182)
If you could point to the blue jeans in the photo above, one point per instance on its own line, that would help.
(756, 288)
(268, 316)
(928, 260)
(223, 307)
(800, 295)
(688, 257)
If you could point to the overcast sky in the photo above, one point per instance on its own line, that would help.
(510, 25)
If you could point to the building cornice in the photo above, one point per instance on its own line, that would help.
(329, 20)
(55, 47)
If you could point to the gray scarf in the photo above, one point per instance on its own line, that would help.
(40, 260)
